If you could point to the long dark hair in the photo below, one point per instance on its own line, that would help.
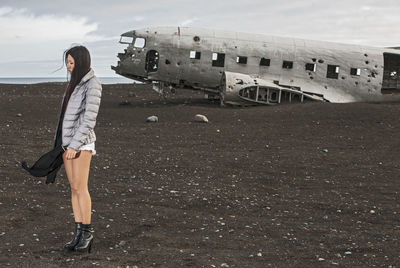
(81, 57)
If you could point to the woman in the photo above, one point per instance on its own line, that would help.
(78, 117)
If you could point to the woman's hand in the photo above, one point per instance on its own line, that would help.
(70, 153)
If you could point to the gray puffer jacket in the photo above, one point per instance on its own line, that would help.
(81, 112)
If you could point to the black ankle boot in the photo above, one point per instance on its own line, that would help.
(85, 240)
(78, 232)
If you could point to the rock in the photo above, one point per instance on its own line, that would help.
(19, 115)
(224, 265)
(152, 119)
(125, 102)
(122, 243)
(200, 118)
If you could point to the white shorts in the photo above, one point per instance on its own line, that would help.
(88, 147)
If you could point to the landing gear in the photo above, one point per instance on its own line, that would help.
(163, 89)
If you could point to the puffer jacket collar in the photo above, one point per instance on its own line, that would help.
(87, 77)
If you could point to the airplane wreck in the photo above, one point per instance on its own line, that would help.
(252, 68)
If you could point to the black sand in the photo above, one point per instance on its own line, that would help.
(305, 185)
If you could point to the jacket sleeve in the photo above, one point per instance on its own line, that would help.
(93, 97)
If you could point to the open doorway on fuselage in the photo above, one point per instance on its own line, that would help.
(152, 58)
(391, 73)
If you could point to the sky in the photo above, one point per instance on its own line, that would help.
(34, 34)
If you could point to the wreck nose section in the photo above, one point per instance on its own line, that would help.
(131, 62)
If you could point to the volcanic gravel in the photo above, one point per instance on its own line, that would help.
(297, 185)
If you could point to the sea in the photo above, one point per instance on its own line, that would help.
(35, 80)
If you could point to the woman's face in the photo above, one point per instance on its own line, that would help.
(70, 63)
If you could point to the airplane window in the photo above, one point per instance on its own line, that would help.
(287, 64)
(242, 60)
(195, 55)
(218, 59)
(140, 42)
(265, 62)
(355, 71)
(126, 40)
(333, 72)
(311, 67)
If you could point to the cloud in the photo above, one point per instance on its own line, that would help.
(42, 30)
(19, 26)
(138, 18)
(366, 8)
(5, 10)
(188, 22)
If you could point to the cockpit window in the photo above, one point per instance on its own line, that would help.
(140, 42)
(126, 40)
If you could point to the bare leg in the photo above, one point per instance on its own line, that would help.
(79, 184)
(74, 196)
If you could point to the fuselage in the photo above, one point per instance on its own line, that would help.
(198, 58)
